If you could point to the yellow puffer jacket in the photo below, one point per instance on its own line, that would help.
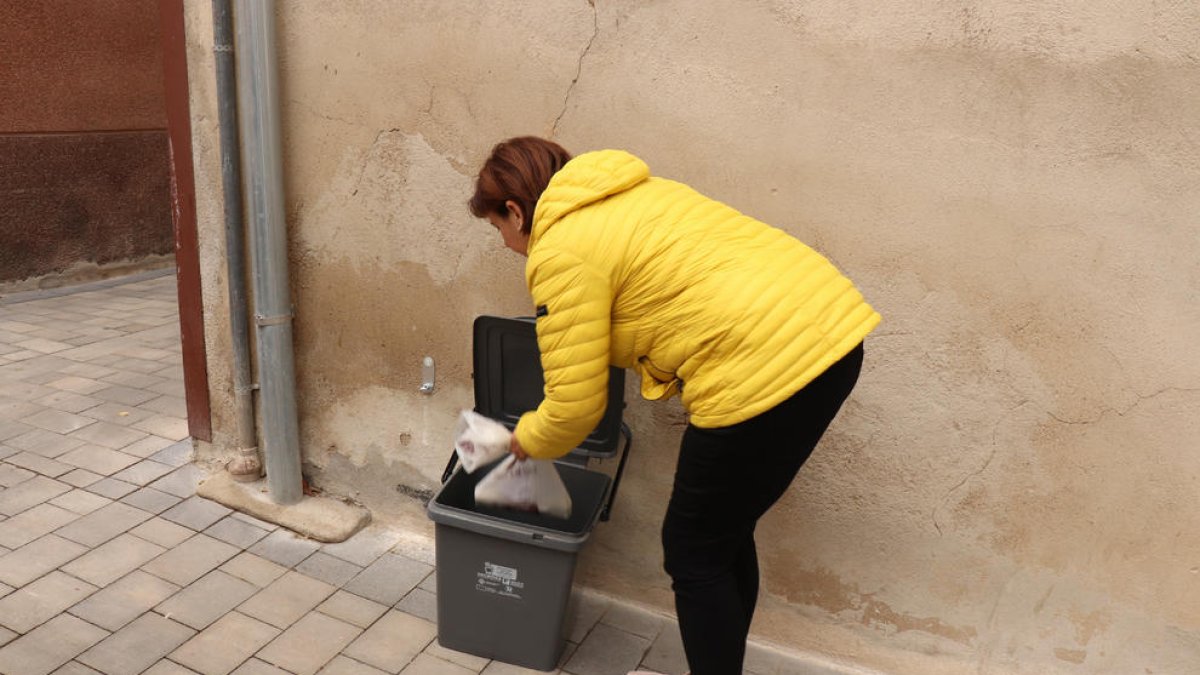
(646, 273)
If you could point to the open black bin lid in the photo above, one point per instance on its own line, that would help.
(509, 381)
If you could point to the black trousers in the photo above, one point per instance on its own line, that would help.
(725, 481)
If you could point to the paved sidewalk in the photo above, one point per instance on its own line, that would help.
(110, 564)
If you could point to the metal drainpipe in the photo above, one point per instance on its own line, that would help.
(246, 466)
(258, 112)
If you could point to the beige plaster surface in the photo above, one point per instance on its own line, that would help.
(1013, 184)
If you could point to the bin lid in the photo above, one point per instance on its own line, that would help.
(509, 381)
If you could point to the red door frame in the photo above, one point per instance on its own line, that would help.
(183, 211)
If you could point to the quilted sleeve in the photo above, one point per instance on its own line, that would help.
(573, 337)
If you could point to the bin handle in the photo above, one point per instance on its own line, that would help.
(612, 494)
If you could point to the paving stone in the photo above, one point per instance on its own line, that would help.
(352, 609)
(124, 395)
(169, 388)
(177, 454)
(425, 664)
(237, 533)
(342, 665)
(112, 436)
(25, 391)
(147, 447)
(269, 527)
(329, 569)
(256, 667)
(285, 547)
(12, 429)
(58, 421)
(32, 524)
(666, 654)
(19, 408)
(287, 599)
(430, 583)
(6, 636)
(44, 443)
(41, 600)
(68, 402)
(309, 644)
(171, 406)
(111, 488)
(162, 532)
(166, 667)
(225, 644)
(80, 478)
(174, 428)
(103, 524)
(12, 475)
(181, 482)
(80, 501)
(365, 546)
(86, 370)
(38, 464)
(76, 668)
(634, 620)
(583, 612)
(415, 548)
(145, 366)
(78, 385)
(43, 345)
(608, 650)
(97, 459)
(471, 662)
(113, 560)
(30, 493)
(137, 646)
(392, 641)
(132, 379)
(191, 560)
(49, 646)
(197, 513)
(150, 500)
(258, 571)
(497, 668)
(144, 472)
(389, 579)
(37, 558)
(420, 603)
(124, 600)
(206, 600)
(116, 413)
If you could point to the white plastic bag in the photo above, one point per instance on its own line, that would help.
(526, 485)
(479, 440)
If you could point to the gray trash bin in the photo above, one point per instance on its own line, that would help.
(504, 577)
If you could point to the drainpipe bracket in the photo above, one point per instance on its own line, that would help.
(276, 320)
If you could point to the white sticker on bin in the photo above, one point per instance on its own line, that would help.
(499, 580)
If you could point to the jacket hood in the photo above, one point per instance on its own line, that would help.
(585, 179)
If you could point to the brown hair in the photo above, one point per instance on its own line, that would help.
(518, 169)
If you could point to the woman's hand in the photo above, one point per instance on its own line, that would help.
(515, 448)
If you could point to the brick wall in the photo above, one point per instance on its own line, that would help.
(84, 173)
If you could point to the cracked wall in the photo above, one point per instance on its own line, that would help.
(1012, 184)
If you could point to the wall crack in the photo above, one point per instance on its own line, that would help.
(987, 463)
(578, 68)
(1121, 412)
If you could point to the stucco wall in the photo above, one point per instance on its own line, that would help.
(1012, 184)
